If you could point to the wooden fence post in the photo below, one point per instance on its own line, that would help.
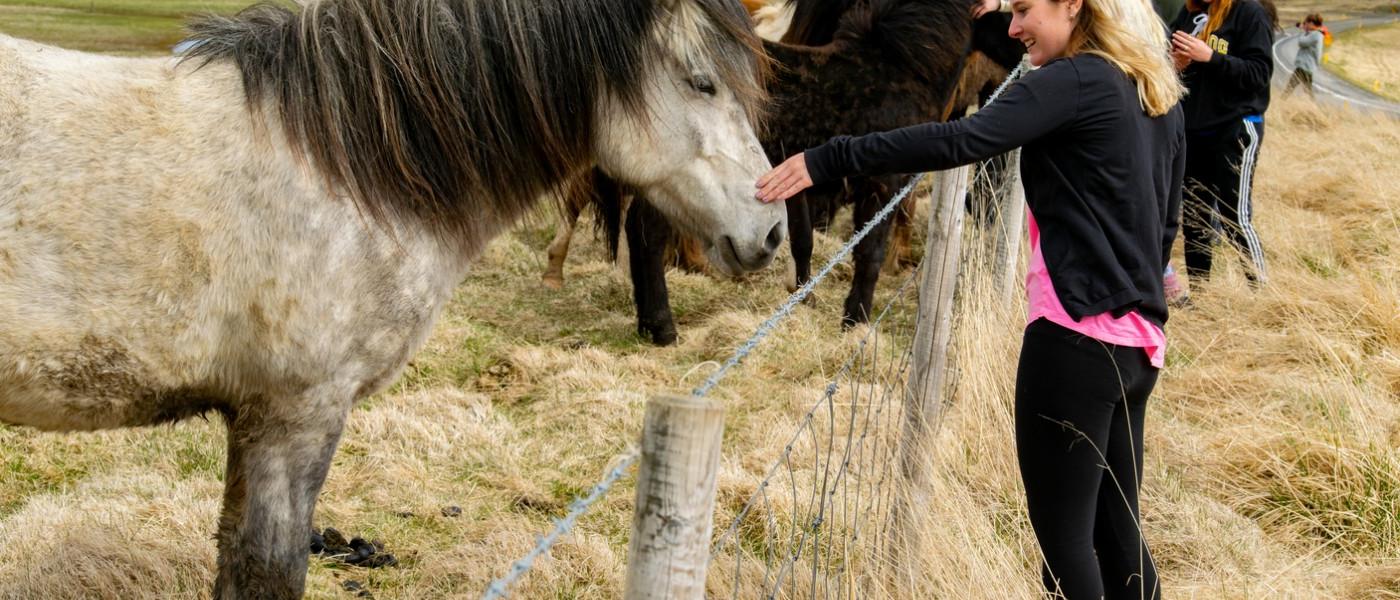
(923, 397)
(937, 280)
(1010, 226)
(670, 547)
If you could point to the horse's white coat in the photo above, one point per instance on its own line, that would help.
(161, 250)
(164, 251)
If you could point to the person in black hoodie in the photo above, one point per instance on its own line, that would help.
(1103, 155)
(1224, 50)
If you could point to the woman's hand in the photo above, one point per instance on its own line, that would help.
(983, 7)
(1180, 62)
(785, 180)
(1187, 46)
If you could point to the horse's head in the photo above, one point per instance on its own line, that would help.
(684, 136)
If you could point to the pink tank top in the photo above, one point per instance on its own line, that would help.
(1128, 330)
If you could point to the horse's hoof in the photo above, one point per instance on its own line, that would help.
(848, 321)
(661, 335)
(553, 282)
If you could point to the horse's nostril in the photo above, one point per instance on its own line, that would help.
(775, 237)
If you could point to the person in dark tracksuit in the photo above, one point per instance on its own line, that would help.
(1224, 49)
(1103, 153)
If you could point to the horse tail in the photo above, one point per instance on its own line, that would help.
(607, 208)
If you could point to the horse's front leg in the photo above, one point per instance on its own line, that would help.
(279, 451)
(900, 253)
(870, 196)
(648, 231)
(799, 240)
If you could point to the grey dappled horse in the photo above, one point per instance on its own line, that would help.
(268, 227)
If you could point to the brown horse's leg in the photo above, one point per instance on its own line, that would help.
(900, 255)
(623, 260)
(690, 255)
(277, 463)
(558, 250)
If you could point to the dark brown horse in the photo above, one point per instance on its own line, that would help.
(855, 66)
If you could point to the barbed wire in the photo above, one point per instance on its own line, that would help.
(856, 488)
(786, 307)
(847, 471)
(500, 587)
(798, 296)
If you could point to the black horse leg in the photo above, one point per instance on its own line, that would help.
(823, 211)
(800, 237)
(647, 235)
(870, 196)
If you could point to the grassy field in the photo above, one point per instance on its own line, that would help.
(110, 26)
(1273, 450)
(1292, 11)
(1368, 58)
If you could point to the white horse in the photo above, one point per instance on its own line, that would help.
(771, 19)
(269, 228)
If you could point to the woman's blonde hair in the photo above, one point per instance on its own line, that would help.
(1216, 13)
(1130, 35)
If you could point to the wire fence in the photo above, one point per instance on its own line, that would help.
(819, 520)
(818, 523)
(499, 588)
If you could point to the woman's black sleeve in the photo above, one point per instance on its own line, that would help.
(1039, 103)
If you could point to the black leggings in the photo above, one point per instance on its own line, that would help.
(1079, 407)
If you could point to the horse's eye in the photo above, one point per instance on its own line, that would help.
(702, 84)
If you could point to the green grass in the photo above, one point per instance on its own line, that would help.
(130, 27)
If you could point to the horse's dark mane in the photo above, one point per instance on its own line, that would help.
(455, 111)
(989, 37)
(814, 22)
(913, 32)
(909, 31)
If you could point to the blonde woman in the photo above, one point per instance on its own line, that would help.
(1102, 160)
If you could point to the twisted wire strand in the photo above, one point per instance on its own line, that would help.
(562, 527)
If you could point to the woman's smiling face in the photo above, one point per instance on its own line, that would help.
(1044, 26)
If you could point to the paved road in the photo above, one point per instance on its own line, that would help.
(1329, 87)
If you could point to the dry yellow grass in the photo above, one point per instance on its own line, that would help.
(1370, 58)
(1292, 11)
(1273, 461)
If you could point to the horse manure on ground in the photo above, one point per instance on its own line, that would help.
(452, 511)
(332, 545)
(356, 588)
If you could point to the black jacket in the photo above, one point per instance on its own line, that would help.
(1102, 178)
(1235, 82)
